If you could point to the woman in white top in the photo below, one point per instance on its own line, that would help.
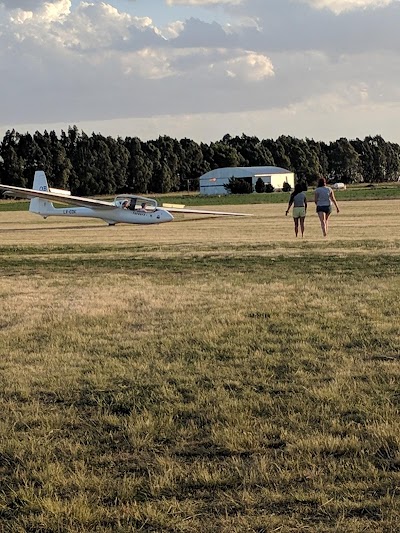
(324, 198)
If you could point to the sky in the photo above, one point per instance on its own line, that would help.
(317, 69)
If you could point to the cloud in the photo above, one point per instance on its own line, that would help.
(197, 33)
(148, 64)
(298, 25)
(26, 5)
(249, 66)
(339, 6)
(92, 61)
(45, 11)
(172, 30)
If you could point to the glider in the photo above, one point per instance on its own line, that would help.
(126, 208)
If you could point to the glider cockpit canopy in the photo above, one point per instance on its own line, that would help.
(133, 202)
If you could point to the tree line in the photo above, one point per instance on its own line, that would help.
(96, 165)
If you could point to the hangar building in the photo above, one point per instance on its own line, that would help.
(213, 182)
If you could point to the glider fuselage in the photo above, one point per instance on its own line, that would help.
(115, 216)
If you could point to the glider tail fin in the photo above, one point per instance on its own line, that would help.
(38, 205)
(40, 181)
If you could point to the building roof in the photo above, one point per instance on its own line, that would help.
(265, 170)
(246, 171)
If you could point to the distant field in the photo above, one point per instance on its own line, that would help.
(358, 192)
(212, 375)
(384, 191)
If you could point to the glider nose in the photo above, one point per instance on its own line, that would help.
(164, 216)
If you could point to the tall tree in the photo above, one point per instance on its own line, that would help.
(192, 164)
(140, 166)
(344, 162)
(70, 141)
(251, 150)
(61, 164)
(392, 161)
(171, 155)
(119, 156)
(277, 150)
(373, 158)
(12, 168)
(153, 154)
(225, 156)
(101, 166)
(33, 156)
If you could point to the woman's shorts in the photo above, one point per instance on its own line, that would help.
(324, 209)
(299, 212)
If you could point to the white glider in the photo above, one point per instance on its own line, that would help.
(126, 208)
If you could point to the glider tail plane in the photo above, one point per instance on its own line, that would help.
(38, 205)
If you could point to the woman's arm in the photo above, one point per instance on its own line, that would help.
(332, 197)
(289, 206)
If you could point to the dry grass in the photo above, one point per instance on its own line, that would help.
(358, 220)
(201, 376)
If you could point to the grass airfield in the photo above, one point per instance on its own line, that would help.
(358, 220)
(206, 375)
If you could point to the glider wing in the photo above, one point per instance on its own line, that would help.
(21, 192)
(205, 212)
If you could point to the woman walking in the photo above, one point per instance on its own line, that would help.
(299, 201)
(324, 197)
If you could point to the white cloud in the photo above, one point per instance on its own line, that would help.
(278, 58)
(197, 33)
(39, 11)
(249, 66)
(340, 6)
(147, 63)
(172, 30)
(55, 11)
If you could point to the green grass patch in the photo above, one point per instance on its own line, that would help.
(235, 388)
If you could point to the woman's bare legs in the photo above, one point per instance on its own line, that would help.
(296, 226)
(323, 220)
(302, 225)
(326, 222)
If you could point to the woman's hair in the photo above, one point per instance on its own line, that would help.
(321, 182)
(297, 188)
